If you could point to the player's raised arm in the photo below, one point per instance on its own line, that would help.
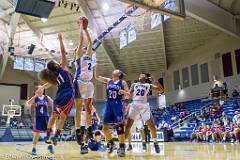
(79, 50)
(44, 87)
(98, 77)
(90, 43)
(156, 86)
(63, 61)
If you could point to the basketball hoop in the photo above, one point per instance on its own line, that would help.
(137, 13)
(11, 111)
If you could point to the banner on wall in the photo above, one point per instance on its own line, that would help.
(137, 148)
(162, 101)
(161, 136)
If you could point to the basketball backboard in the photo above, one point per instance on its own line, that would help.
(172, 8)
(14, 110)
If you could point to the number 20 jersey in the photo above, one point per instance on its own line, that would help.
(113, 90)
(141, 91)
(84, 68)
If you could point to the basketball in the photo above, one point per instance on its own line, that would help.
(85, 22)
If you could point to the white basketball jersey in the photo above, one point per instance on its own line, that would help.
(84, 68)
(141, 91)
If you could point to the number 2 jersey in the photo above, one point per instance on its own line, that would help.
(41, 106)
(84, 68)
(141, 91)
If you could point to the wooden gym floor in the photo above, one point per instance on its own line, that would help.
(169, 151)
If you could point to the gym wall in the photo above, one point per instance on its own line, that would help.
(17, 77)
(211, 54)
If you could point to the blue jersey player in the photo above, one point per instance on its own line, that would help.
(58, 74)
(114, 111)
(40, 102)
(95, 119)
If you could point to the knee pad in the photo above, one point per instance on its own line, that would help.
(120, 129)
(89, 132)
(82, 130)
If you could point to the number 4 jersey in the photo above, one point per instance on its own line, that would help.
(84, 68)
(141, 91)
(41, 106)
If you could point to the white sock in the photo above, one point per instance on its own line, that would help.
(34, 145)
(154, 140)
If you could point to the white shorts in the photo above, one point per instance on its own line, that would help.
(141, 109)
(86, 89)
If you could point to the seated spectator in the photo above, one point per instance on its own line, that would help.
(210, 94)
(235, 117)
(213, 113)
(219, 110)
(225, 89)
(224, 118)
(3, 121)
(202, 117)
(228, 132)
(20, 125)
(209, 132)
(235, 105)
(205, 114)
(235, 93)
(170, 132)
(193, 118)
(236, 130)
(218, 130)
(174, 108)
(173, 118)
(181, 115)
(195, 136)
(14, 123)
(181, 107)
(217, 91)
(202, 132)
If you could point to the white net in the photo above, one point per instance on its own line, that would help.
(11, 113)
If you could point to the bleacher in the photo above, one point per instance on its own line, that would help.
(189, 107)
(195, 106)
(228, 107)
(17, 134)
